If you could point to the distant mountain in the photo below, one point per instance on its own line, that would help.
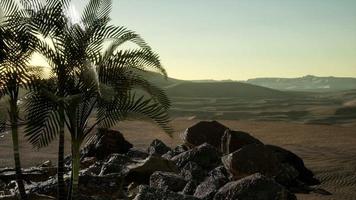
(306, 83)
(223, 90)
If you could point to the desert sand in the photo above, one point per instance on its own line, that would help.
(328, 150)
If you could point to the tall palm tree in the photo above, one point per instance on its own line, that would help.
(90, 75)
(17, 45)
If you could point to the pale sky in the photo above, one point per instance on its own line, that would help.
(241, 39)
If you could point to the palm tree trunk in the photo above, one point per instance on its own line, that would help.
(60, 170)
(15, 141)
(75, 169)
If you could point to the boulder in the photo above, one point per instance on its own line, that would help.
(167, 180)
(116, 163)
(250, 159)
(204, 155)
(288, 158)
(92, 170)
(141, 170)
(192, 171)
(157, 147)
(135, 153)
(106, 142)
(216, 179)
(176, 151)
(149, 193)
(87, 161)
(34, 174)
(234, 140)
(254, 187)
(204, 132)
(111, 186)
(190, 187)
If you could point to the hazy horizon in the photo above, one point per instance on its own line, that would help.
(245, 39)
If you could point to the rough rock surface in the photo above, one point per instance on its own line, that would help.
(107, 141)
(234, 140)
(167, 180)
(254, 187)
(216, 179)
(157, 147)
(177, 150)
(149, 193)
(290, 159)
(192, 171)
(116, 164)
(204, 155)
(204, 132)
(140, 171)
(252, 159)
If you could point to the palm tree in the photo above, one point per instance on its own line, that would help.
(90, 75)
(16, 48)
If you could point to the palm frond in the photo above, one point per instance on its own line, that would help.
(130, 107)
(42, 121)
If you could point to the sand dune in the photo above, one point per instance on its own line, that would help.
(330, 151)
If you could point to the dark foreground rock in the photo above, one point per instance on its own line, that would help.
(149, 193)
(204, 132)
(290, 159)
(234, 140)
(157, 147)
(106, 142)
(254, 187)
(215, 180)
(252, 159)
(167, 181)
(204, 155)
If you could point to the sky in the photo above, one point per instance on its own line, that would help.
(242, 39)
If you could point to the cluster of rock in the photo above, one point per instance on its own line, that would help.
(213, 163)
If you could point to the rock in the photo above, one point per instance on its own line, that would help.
(87, 161)
(167, 180)
(149, 193)
(140, 171)
(48, 187)
(216, 179)
(234, 140)
(254, 187)
(204, 155)
(251, 159)
(190, 187)
(204, 132)
(116, 164)
(106, 142)
(176, 151)
(47, 163)
(92, 170)
(157, 147)
(135, 153)
(34, 174)
(291, 159)
(111, 186)
(192, 171)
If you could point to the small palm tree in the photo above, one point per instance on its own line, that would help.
(92, 78)
(16, 45)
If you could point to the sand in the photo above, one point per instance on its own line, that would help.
(329, 151)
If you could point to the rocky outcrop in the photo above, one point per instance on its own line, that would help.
(254, 187)
(167, 181)
(204, 155)
(157, 147)
(291, 160)
(234, 140)
(204, 132)
(140, 171)
(149, 193)
(216, 179)
(252, 159)
(106, 142)
(192, 171)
